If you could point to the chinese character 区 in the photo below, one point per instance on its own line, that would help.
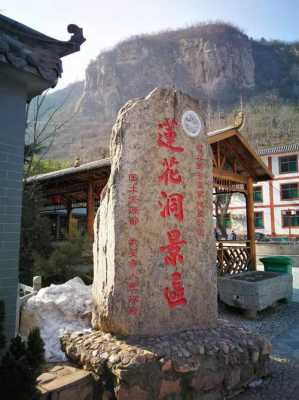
(173, 248)
(173, 205)
(170, 173)
(175, 296)
(167, 135)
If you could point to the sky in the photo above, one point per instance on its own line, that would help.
(106, 22)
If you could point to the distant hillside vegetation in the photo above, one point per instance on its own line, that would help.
(216, 62)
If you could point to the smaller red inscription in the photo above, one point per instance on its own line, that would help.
(133, 188)
(133, 220)
(133, 286)
(170, 173)
(133, 177)
(132, 200)
(173, 248)
(167, 135)
(133, 210)
(133, 263)
(133, 299)
(133, 311)
(175, 296)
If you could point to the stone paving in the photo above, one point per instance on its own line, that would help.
(283, 384)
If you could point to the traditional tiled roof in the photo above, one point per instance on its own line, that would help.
(287, 148)
(31, 51)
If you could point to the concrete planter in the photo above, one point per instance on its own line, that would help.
(255, 291)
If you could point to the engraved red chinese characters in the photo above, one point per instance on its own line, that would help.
(167, 135)
(170, 173)
(175, 296)
(173, 248)
(173, 205)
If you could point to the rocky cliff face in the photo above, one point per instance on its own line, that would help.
(216, 63)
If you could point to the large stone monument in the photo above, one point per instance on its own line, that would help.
(154, 245)
(155, 312)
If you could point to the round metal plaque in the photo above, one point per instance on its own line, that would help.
(191, 123)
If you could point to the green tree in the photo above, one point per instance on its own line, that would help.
(35, 233)
(20, 367)
(60, 266)
(35, 350)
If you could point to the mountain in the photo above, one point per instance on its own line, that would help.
(215, 62)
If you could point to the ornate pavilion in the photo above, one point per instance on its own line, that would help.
(236, 167)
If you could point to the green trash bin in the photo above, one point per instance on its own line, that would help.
(280, 264)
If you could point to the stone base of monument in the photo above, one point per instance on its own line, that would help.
(195, 364)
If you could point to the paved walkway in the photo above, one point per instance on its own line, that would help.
(283, 384)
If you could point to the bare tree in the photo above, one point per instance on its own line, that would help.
(221, 203)
(43, 123)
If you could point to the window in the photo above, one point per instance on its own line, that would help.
(288, 164)
(290, 218)
(289, 191)
(258, 194)
(259, 219)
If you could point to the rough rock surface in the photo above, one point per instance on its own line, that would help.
(213, 61)
(205, 364)
(55, 310)
(154, 249)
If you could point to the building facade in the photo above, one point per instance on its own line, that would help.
(30, 62)
(276, 202)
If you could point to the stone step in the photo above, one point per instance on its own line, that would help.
(65, 382)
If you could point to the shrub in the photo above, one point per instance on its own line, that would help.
(60, 266)
(35, 350)
(35, 233)
(20, 367)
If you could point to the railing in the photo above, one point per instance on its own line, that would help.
(233, 257)
(25, 292)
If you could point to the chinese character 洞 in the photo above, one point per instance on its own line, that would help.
(173, 205)
(167, 135)
(175, 296)
(173, 248)
(170, 173)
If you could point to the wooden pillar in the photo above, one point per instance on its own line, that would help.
(68, 215)
(90, 210)
(250, 222)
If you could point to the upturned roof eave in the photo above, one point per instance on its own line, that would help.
(62, 48)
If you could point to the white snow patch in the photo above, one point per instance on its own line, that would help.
(57, 309)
